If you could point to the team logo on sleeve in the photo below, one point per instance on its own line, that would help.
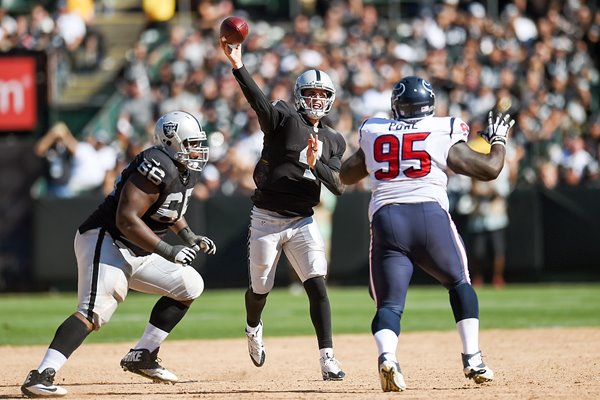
(170, 129)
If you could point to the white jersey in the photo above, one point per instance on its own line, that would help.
(406, 159)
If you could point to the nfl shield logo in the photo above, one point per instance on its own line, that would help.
(170, 129)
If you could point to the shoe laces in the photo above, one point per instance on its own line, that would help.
(330, 363)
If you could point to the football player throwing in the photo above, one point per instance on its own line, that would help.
(300, 153)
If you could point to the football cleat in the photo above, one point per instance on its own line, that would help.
(474, 368)
(256, 347)
(146, 364)
(330, 369)
(41, 384)
(390, 375)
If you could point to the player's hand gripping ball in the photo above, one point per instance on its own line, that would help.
(234, 30)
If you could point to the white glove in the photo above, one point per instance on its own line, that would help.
(497, 131)
(197, 242)
(206, 245)
(177, 254)
(184, 255)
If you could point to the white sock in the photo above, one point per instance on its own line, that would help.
(252, 329)
(387, 342)
(468, 329)
(152, 338)
(52, 359)
(326, 352)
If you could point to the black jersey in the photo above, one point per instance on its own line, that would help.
(175, 190)
(284, 182)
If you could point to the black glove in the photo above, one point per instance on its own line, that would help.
(197, 242)
(177, 254)
(497, 131)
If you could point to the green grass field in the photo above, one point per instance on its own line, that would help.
(33, 319)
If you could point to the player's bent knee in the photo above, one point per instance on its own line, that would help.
(103, 310)
(262, 287)
(194, 285)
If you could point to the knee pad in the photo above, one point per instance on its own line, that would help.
(194, 285)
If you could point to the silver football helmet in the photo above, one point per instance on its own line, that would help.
(180, 135)
(313, 79)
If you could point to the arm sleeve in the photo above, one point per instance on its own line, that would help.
(268, 117)
(329, 173)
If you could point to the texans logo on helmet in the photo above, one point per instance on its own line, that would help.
(427, 86)
(170, 129)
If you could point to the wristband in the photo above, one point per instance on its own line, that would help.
(187, 236)
(164, 250)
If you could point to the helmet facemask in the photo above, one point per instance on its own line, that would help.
(193, 147)
(180, 135)
(314, 79)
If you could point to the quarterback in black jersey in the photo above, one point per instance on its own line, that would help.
(120, 247)
(299, 154)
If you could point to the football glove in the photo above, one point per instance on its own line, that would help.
(497, 131)
(197, 242)
(177, 254)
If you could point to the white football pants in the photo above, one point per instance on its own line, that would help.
(106, 271)
(298, 237)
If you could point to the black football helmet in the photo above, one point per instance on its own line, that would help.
(412, 97)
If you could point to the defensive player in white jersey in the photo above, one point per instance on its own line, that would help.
(406, 160)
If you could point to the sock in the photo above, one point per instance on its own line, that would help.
(52, 359)
(387, 342)
(152, 338)
(320, 310)
(69, 336)
(254, 307)
(167, 313)
(252, 329)
(468, 329)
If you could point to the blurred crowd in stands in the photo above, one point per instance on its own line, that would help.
(540, 60)
(63, 28)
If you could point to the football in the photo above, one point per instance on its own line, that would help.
(234, 30)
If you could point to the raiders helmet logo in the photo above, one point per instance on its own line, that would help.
(170, 129)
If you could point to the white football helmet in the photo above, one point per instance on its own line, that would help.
(179, 134)
(313, 79)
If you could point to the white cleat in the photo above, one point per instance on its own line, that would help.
(330, 369)
(474, 368)
(41, 384)
(256, 347)
(390, 375)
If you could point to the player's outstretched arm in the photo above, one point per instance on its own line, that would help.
(485, 167)
(354, 168)
(463, 160)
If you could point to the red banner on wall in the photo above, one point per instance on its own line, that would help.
(18, 93)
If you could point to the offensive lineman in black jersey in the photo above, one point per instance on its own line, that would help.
(299, 153)
(119, 247)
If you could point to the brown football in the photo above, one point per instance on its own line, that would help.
(234, 30)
